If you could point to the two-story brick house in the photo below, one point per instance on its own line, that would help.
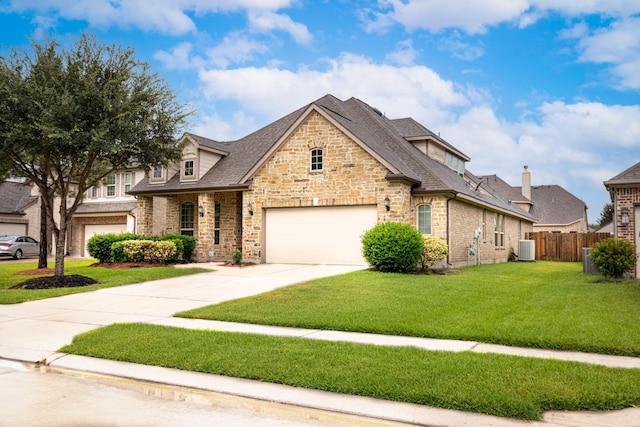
(304, 188)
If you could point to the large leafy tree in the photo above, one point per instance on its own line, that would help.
(71, 115)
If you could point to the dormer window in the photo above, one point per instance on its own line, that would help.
(455, 163)
(316, 160)
(158, 172)
(188, 170)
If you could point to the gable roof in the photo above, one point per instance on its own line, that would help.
(630, 176)
(15, 197)
(553, 205)
(386, 140)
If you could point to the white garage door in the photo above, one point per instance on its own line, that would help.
(10, 228)
(91, 230)
(317, 235)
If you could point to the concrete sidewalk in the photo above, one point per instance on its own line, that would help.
(32, 332)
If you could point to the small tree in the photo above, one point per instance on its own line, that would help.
(393, 247)
(614, 257)
(69, 117)
(435, 250)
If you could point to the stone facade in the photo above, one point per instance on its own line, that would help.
(350, 176)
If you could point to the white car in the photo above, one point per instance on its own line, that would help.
(19, 246)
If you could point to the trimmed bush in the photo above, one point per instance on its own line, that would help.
(237, 256)
(149, 250)
(117, 252)
(393, 247)
(99, 246)
(435, 250)
(614, 257)
(188, 245)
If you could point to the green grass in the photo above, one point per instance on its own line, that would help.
(504, 386)
(542, 304)
(106, 277)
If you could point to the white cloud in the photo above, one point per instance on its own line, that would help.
(471, 16)
(266, 21)
(235, 48)
(618, 45)
(179, 58)
(405, 54)
(474, 17)
(168, 16)
(460, 49)
(270, 92)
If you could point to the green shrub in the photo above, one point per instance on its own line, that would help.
(149, 250)
(435, 250)
(393, 247)
(237, 256)
(614, 257)
(188, 244)
(99, 246)
(117, 252)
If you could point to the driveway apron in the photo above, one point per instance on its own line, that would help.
(33, 331)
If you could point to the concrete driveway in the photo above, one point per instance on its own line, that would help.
(33, 331)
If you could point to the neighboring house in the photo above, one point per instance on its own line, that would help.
(19, 209)
(554, 208)
(625, 196)
(305, 188)
(107, 208)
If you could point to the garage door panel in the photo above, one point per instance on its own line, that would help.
(91, 230)
(12, 228)
(317, 235)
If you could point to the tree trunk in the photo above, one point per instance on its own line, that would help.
(61, 240)
(44, 235)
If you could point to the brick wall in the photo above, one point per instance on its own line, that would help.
(465, 218)
(627, 198)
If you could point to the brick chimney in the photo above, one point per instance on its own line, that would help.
(526, 183)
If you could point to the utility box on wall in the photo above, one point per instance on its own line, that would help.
(526, 250)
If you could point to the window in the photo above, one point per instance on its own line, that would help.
(216, 224)
(316, 159)
(498, 230)
(455, 163)
(424, 219)
(157, 172)
(94, 192)
(127, 181)
(187, 215)
(111, 185)
(189, 168)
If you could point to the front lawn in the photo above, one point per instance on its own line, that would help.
(106, 278)
(542, 304)
(504, 386)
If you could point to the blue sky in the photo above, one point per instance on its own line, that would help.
(552, 84)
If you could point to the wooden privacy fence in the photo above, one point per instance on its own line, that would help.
(563, 246)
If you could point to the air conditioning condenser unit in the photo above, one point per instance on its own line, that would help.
(527, 250)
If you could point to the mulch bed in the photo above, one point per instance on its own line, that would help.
(49, 282)
(73, 280)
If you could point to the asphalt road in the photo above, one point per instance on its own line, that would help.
(31, 396)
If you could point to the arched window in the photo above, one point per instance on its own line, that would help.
(187, 215)
(424, 219)
(316, 159)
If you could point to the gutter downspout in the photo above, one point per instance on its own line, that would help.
(448, 229)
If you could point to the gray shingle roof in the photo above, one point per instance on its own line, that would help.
(384, 137)
(552, 204)
(629, 176)
(107, 207)
(15, 197)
